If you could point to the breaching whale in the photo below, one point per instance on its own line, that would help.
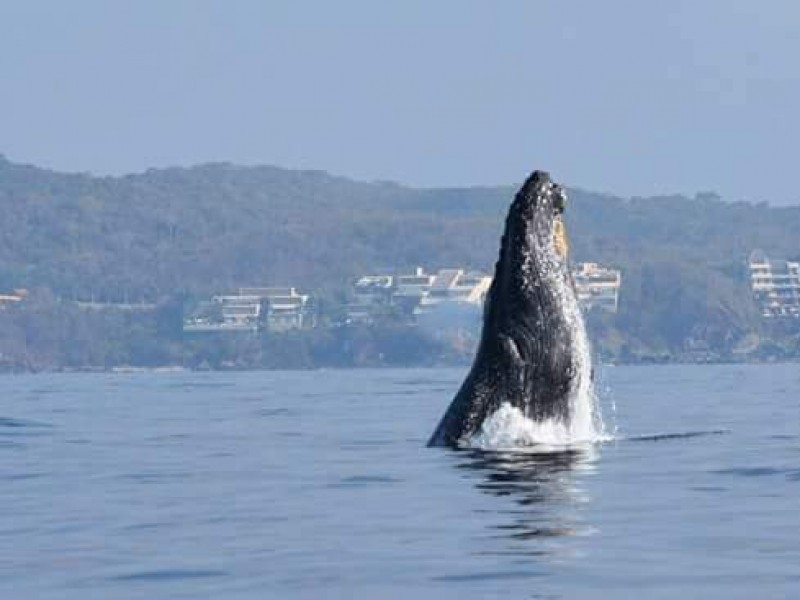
(530, 351)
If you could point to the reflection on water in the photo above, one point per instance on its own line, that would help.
(546, 490)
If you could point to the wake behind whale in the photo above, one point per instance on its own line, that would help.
(531, 381)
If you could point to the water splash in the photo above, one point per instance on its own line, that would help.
(509, 429)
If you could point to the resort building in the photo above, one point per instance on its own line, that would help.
(456, 285)
(775, 285)
(287, 309)
(597, 286)
(251, 309)
(373, 290)
(414, 286)
(414, 293)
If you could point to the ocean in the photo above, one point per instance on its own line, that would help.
(319, 485)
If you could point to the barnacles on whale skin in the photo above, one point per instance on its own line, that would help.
(559, 198)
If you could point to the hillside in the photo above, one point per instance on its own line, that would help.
(149, 236)
(214, 226)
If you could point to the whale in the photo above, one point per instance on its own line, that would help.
(531, 350)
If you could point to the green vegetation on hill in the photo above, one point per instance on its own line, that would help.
(181, 233)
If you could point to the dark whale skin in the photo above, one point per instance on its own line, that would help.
(527, 354)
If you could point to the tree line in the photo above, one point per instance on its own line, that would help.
(169, 236)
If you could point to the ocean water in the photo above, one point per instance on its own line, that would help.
(319, 485)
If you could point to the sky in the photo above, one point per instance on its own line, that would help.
(625, 97)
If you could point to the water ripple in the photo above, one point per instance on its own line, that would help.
(486, 576)
(364, 481)
(169, 575)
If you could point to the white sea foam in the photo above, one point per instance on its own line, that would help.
(508, 429)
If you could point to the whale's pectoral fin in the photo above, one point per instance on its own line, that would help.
(516, 364)
(511, 350)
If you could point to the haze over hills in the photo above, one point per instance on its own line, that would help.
(203, 229)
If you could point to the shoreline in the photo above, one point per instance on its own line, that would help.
(175, 369)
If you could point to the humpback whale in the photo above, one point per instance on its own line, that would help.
(532, 351)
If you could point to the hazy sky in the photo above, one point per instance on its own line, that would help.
(628, 97)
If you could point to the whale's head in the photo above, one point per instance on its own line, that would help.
(533, 248)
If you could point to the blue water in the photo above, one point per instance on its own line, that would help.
(318, 485)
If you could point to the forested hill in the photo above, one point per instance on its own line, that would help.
(216, 226)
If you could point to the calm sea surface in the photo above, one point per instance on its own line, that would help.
(319, 485)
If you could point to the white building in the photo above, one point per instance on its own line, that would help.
(597, 286)
(371, 290)
(276, 308)
(414, 286)
(775, 285)
(455, 285)
(240, 309)
(226, 313)
(416, 292)
(287, 310)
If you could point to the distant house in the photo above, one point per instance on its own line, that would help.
(14, 297)
(412, 287)
(251, 309)
(241, 311)
(225, 313)
(775, 285)
(455, 285)
(287, 309)
(597, 286)
(414, 293)
(372, 290)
